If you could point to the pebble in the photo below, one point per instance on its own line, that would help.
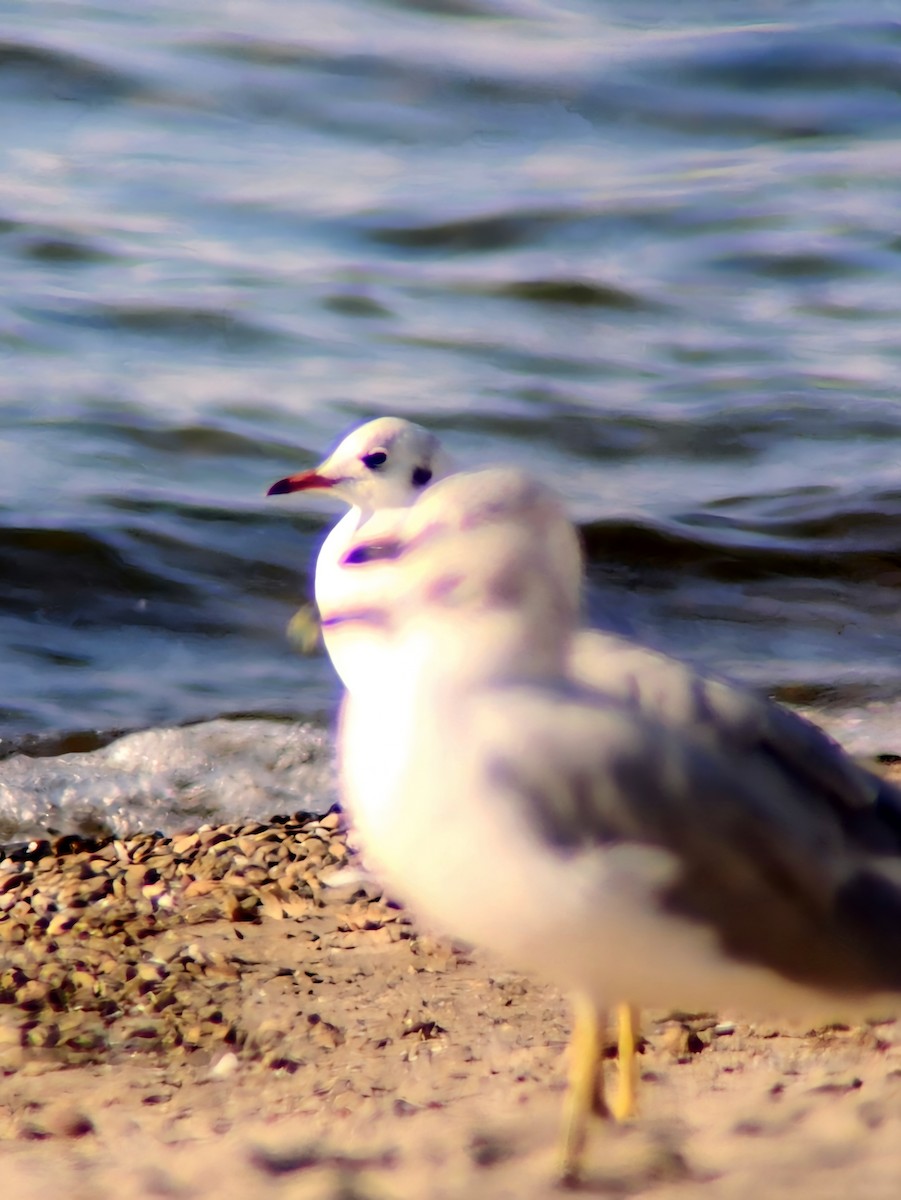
(225, 1067)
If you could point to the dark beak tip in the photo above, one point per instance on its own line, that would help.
(304, 482)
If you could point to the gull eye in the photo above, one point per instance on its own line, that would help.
(421, 476)
(376, 459)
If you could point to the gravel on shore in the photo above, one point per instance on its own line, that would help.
(96, 952)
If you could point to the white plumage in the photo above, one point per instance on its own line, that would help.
(592, 810)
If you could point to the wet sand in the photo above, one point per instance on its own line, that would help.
(240, 1049)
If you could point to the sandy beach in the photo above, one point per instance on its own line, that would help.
(214, 1031)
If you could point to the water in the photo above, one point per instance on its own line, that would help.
(645, 249)
(170, 779)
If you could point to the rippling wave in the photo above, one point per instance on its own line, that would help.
(651, 253)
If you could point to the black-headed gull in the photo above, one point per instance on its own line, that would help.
(382, 465)
(670, 838)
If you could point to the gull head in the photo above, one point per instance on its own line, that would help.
(386, 463)
(482, 574)
(459, 519)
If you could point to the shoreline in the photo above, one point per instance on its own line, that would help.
(233, 770)
(202, 1015)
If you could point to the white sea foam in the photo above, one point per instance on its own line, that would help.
(170, 779)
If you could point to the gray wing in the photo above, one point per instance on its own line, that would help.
(763, 855)
(731, 719)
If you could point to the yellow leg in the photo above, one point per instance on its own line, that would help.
(585, 1094)
(624, 1104)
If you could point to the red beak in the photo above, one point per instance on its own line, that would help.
(301, 483)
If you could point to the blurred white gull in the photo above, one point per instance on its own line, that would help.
(378, 467)
(383, 467)
(594, 811)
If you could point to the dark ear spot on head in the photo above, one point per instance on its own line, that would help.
(367, 552)
(508, 588)
(421, 476)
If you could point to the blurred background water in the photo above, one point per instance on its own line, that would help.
(652, 251)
